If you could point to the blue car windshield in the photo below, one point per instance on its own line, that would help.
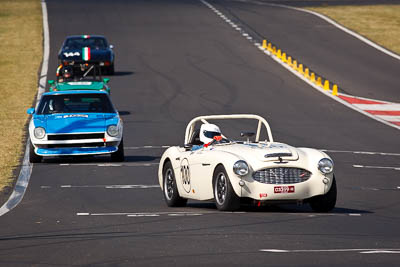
(75, 103)
(80, 42)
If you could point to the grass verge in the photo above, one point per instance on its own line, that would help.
(378, 23)
(21, 46)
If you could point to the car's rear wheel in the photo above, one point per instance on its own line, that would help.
(327, 202)
(170, 189)
(33, 157)
(119, 155)
(224, 195)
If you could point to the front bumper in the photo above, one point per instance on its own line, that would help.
(74, 151)
(318, 184)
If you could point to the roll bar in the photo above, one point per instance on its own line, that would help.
(204, 119)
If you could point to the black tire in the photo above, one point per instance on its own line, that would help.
(33, 158)
(119, 155)
(327, 202)
(224, 195)
(170, 190)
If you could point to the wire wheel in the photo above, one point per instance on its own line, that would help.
(224, 195)
(171, 194)
(220, 188)
(169, 184)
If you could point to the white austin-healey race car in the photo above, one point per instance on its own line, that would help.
(231, 171)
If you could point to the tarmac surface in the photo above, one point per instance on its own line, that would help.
(176, 60)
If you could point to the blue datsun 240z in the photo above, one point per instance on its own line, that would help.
(73, 123)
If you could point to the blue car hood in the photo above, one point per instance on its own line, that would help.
(76, 123)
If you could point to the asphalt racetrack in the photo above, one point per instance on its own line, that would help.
(176, 60)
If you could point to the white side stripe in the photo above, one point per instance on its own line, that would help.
(384, 107)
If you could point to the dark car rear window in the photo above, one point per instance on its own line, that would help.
(75, 103)
(80, 42)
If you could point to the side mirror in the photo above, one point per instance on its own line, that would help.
(30, 111)
(106, 80)
(50, 82)
(111, 46)
(248, 135)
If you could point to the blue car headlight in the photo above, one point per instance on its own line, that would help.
(325, 166)
(39, 132)
(241, 168)
(112, 130)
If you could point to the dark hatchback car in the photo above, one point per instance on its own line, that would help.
(79, 50)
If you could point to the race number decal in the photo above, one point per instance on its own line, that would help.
(72, 54)
(185, 175)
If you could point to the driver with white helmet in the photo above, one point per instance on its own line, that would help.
(208, 134)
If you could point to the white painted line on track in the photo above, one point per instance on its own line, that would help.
(358, 250)
(325, 150)
(348, 31)
(330, 21)
(312, 84)
(381, 252)
(361, 152)
(377, 167)
(126, 164)
(118, 186)
(152, 214)
(26, 169)
(145, 147)
(143, 215)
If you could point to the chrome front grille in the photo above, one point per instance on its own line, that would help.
(281, 175)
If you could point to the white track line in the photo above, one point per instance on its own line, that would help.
(334, 23)
(127, 164)
(153, 214)
(117, 186)
(361, 152)
(312, 84)
(359, 250)
(26, 169)
(377, 167)
(325, 150)
(346, 30)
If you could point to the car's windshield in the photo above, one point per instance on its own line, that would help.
(79, 42)
(75, 103)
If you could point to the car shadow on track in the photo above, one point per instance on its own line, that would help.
(123, 73)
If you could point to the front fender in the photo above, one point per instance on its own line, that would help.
(169, 155)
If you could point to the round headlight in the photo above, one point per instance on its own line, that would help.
(112, 130)
(241, 168)
(325, 166)
(39, 132)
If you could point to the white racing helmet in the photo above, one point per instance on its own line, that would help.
(208, 131)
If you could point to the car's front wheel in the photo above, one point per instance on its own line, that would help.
(33, 157)
(327, 202)
(119, 155)
(170, 189)
(224, 195)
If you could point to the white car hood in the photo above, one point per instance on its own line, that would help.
(261, 152)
